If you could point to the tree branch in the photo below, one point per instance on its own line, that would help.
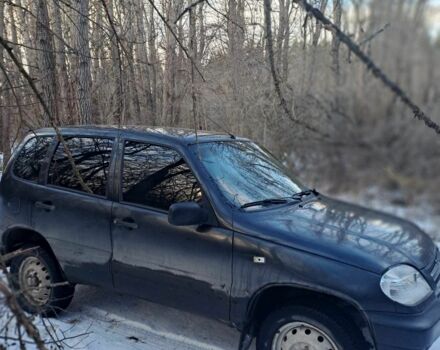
(375, 34)
(187, 9)
(273, 70)
(52, 120)
(162, 17)
(370, 64)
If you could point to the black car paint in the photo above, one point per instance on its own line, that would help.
(319, 244)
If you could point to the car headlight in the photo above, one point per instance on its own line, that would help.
(405, 285)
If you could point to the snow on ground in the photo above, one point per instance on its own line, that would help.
(100, 319)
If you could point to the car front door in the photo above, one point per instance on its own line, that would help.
(74, 217)
(185, 267)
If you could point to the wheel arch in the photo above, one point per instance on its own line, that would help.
(274, 296)
(15, 237)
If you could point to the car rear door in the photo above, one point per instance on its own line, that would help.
(184, 267)
(74, 217)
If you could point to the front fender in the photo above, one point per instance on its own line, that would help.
(301, 270)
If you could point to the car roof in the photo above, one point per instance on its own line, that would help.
(180, 135)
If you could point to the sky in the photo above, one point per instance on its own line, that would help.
(434, 18)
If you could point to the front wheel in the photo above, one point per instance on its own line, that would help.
(39, 283)
(304, 328)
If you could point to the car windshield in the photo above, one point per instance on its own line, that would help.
(246, 173)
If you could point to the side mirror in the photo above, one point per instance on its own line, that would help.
(187, 214)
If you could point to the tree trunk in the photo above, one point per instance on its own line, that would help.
(84, 85)
(283, 38)
(66, 104)
(46, 61)
(144, 69)
(336, 44)
(14, 76)
(170, 69)
(313, 52)
(131, 37)
(118, 90)
(193, 52)
(5, 146)
(236, 56)
(153, 64)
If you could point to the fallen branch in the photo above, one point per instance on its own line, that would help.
(371, 65)
(7, 257)
(20, 316)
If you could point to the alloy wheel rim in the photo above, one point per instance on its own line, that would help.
(302, 336)
(35, 281)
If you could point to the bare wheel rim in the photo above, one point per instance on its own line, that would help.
(302, 336)
(35, 281)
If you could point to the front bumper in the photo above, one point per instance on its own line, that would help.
(394, 331)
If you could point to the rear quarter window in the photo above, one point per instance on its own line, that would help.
(28, 162)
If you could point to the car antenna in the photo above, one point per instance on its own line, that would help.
(231, 135)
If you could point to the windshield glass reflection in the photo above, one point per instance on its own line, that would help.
(244, 172)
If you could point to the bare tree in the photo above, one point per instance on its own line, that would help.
(66, 97)
(84, 75)
(5, 146)
(336, 43)
(144, 66)
(169, 100)
(46, 60)
(269, 70)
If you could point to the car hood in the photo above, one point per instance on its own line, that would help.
(341, 231)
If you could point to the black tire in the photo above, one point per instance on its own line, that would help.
(340, 332)
(58, 298)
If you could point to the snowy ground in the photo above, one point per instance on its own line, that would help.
(104, 320)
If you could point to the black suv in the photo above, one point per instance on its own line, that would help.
(213, 224)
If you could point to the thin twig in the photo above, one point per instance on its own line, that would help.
(187, 9)
(375, 34)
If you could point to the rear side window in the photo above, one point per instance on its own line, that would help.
(156, 176)
(28, 163)
(92, 160)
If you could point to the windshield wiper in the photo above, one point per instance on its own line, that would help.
(304, 193)
(264, 202)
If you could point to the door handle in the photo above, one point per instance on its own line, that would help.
(127, 223)
(47, 205)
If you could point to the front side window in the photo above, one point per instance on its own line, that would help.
(156, 176)
(28, 163)
(244, 172)
(92, 160)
